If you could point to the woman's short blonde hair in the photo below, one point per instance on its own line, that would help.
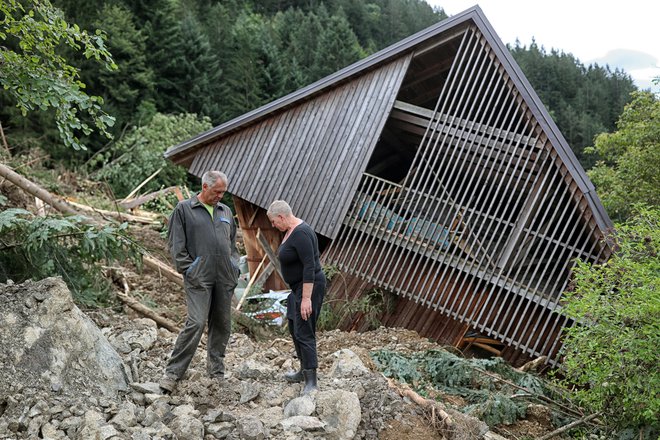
(279, 207)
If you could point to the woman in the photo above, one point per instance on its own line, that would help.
(301, 269)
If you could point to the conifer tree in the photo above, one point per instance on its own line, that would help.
(337, 46)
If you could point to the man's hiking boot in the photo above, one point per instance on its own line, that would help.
(167, 384)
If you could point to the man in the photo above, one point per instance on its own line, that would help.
(202, 243)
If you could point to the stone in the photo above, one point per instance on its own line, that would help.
(341, 411)
(347, 364)
(251, 428)
(54, 345)
(140, 336)
(302, 423)
(249, 391)
(187, 427)
(300, 406)
(220, 430)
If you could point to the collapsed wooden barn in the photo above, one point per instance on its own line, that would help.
(430, 170)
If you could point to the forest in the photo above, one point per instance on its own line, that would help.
(101, 89)
(219, 59)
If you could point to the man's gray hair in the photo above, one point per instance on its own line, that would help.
(279, 207)
(212, 176)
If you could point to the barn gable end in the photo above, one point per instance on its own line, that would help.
(436, 174)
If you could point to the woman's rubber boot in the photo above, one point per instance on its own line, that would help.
(310, 381)
(294, 377)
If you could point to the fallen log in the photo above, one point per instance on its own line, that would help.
(65, 208)
(250, 283)
(36, 190)
(118, 277)
(163, 269)
(146, 311)
(121, 216)
(532, 365)
(130, 203)
(436, 408)
(569, 426)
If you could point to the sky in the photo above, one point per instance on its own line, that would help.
(621, 34)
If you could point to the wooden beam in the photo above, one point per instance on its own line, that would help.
(428, 115)
(250, 283)
(269, 251)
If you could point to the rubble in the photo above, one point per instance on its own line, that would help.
(68, 379)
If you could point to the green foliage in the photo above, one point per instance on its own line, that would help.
(497, 409)
(140, 153)
(612, 355)
(397, 366)
(628, 172)
(330, 271)
(129, 88)
(337, 45)
(494, 401)
(39, 247)
(583, 101)
(369, 306)
(35, 73)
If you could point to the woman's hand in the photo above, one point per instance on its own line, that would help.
(306, 308)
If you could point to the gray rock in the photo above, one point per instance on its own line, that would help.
(220, 430)
(251, 428)
(217, 415)
(341, 411)
(249, 391)
(272, 416)
(140, 336)
(300, 406)
(302, 423)
(125, 417)
(54, 345)
(146, 387)
(347, 364)
(50, 432)
(251, 369)
(91, 425)
(187, 427)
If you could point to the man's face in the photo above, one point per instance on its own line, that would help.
(213, 193)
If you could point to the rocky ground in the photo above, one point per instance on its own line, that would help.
(59, 371)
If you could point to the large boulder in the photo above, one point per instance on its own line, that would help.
(50, 344)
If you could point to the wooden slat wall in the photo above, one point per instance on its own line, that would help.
(486, 175)
(311, 155)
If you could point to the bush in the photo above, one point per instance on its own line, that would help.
(611, 356)
(38, 247)
(140, 154)
(628, 171)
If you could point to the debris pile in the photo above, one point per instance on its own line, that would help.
(63, 377)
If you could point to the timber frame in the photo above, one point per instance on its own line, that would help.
(430, 170)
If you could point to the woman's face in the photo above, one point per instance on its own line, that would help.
(278, 222)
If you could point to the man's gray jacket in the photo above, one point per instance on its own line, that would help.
(204, 248)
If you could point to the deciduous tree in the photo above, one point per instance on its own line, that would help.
(36, 74)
